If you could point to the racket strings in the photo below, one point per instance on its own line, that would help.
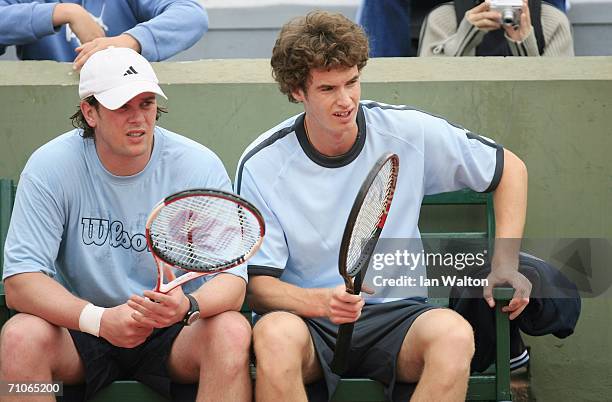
(202, 232)
(375, 204)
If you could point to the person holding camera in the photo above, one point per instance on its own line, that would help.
(496, 28)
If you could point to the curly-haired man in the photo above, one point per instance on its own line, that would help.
(304, 174)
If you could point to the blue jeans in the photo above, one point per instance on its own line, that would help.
(387, 24)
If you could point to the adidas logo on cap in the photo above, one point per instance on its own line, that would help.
(130, 70)
(104, 76)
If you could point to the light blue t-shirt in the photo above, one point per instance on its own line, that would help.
(75, 221)
(306, 197)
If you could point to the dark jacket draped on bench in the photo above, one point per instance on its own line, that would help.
(554, 308)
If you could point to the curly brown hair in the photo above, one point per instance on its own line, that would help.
(79, 121)
(318, 40)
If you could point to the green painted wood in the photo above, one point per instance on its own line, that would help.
(502, 349)
(456, 235)
(503, 293)
(359, 390)
(459, 197)
(481, 388)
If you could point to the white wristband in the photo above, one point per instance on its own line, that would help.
(90, 318)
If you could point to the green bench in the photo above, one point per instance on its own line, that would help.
(492, 385)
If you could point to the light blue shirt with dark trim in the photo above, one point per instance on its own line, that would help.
(305, 197)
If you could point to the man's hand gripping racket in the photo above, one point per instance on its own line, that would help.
(201, 231)
(363, 227)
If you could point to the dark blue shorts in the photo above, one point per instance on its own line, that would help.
(146, 363)
(377, 340)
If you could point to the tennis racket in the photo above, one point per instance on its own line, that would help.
(201, 231)
(363, 227)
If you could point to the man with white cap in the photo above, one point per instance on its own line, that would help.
(76, 261)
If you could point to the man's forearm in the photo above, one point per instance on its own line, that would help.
(510, 201)
(268, 294)
(37, 294)
(225, 292)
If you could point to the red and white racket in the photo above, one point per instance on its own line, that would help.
(202, 231)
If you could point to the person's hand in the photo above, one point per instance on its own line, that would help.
(521, 285)
(520, 33)
(82, 24)
(119, 328)
(343, 307)
(158, 309)
(85, 51)
(483, 18)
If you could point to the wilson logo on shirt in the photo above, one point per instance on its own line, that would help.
(96, 231)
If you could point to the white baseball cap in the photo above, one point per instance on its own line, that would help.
(116, 75)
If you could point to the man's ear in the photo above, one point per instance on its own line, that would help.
(90, 113)
(298, 95)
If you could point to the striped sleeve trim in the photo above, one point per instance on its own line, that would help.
(472, 38)
(372, 104)
(265, 143)
(499, 160)
(528, 47)
(259, 270)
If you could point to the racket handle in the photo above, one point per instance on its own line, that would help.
(166, 287)
(358, 282)
(339, 363)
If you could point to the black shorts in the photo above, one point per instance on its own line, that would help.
(377, 339)
(146, 363)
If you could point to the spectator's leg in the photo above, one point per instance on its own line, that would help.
(286, 358)
(32, 349)
(437, 352)
(387, 24)
(214, 352)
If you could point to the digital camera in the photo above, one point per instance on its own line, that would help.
(510, 11)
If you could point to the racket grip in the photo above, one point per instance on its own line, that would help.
(339, 363)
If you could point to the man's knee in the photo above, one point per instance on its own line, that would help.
(27, 339)
(455, 334)
(229, 333)
(281, 331)
(440, 339)
(282, 342)
(451, 344)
